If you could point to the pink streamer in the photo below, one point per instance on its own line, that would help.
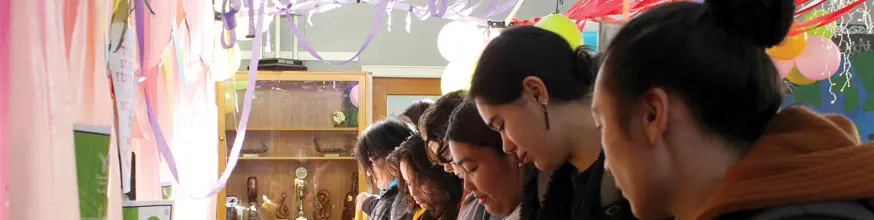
(4, 103)
(164, 148)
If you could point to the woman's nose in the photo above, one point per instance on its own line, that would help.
(508, 145)
(468, 185)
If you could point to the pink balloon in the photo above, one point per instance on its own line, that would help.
(353, 95)
(820, 59)
(783, 66)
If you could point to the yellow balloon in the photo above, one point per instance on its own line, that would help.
(790, 48)
(230, 100)
(563, 26)
(796, 77)
(239, 84)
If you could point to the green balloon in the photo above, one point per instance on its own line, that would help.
(563, 26)
(154, 218)
(825, 31)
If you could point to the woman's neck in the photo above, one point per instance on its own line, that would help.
(700, 171)
(578, 128)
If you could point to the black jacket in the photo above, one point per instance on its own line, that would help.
(389, 206)
(573, 195)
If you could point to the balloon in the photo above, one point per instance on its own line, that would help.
(826, 30)
(230, 100)
(796, 77)
(239, 84)
(225, 62)
(820, 60)
(563, 26)
(783, 66)
(353, 95)
(457, 76)
(790, 48)
(460, 41)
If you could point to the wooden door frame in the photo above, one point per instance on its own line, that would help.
(385, 86)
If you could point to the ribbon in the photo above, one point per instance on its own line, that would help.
(499, 9)
(234, 157)
(432, 7)
(820, 21)
(141, 31)
(180, 62)
(374, 27)
(229, 23)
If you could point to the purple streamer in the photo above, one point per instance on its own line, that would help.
(374, 26)
(161, 142)
(141, 31)
(252, 19)
(504, 7)
(229, 23)
(432, 4)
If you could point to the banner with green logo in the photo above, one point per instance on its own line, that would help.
(92, 169)
(148, 210)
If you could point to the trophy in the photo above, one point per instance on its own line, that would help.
(349, 203)
(322, 205)
(252, 189)
(282, 212)
(339, 118)
(299, 187)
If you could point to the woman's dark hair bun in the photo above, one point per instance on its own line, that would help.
(762, 22)
(587, 65)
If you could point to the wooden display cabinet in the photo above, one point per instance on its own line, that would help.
(293, 114)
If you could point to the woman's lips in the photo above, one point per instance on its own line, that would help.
(524, 157)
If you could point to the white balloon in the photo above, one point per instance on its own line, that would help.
(459, 41)
(457, 76)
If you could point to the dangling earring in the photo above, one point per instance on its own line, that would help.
(545, 111)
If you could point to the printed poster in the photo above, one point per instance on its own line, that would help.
(92, 169)
(121, 66)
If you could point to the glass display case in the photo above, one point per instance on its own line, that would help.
(297, 160)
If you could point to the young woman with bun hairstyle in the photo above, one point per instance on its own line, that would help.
(494, 179)
(688, 108)
(535, 90)
(430, 192)
(372, 149)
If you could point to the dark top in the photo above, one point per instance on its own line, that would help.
(388, 206)
(855, 210)
(573, 195)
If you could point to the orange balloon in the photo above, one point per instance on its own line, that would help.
(796, 77)
(790, 48)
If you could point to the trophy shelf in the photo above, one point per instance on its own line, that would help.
(297, 158)
(298, 120)
(298, 129)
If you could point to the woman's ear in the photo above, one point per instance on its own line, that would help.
(534, 86)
